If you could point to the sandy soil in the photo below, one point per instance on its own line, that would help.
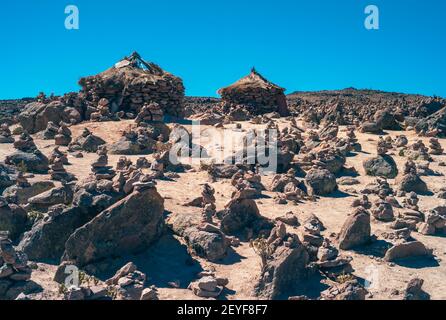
(165, 261)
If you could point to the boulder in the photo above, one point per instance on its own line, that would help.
(386, 120)
(371, 127)
(59, 195)
(21, 195)
(206, 242)
(89, 143)
(36, 115)
(321, 181)
(414, 290)
(46, 240)
(283, 272)
(128, 147)
(413, 183)
(13, 219)
(356, 230)
(381, 166)
(241, 214)
(212, 246)
(35, 162)
(407, 250)
(127, 227)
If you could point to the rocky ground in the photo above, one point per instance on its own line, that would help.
(171, 267)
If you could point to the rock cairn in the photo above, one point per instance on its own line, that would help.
(150, 113)
(87, 141)
(103, 112)
(51, 131)
(57, 154)
(100, 167)
(352, 140)
(248, 183)
(435, 147)
(58, 172)
(400, 141)
(128, 282)
(383, 146)
(132, 83)
(63, 136)
(331, 263)
(411, 180)
(5, 134)
(417, 151)
(14, 270)
(25, 143)
(209, 285)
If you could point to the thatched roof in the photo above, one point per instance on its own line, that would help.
(252, 81)
(134, 66)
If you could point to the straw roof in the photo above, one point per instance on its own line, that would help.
(252, 81)
(135, 66)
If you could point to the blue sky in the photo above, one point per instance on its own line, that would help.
(300, 45)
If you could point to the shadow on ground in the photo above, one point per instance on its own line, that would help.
(166, 261)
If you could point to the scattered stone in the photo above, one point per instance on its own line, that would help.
(350, 290)
(5, 134)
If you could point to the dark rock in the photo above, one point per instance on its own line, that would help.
(413, 183)
(381, 166)
(129, 226)
(321, 181)
(35, 162)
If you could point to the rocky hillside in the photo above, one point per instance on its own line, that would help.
(10, 108)
(350, 105)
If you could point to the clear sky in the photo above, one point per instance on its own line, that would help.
(300, 45)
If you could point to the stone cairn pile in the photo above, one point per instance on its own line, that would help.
(352, 140)
(208, 204)
(435, 147)
(209, 285)
(51, 131)
(131, 84)
(100, 168)
(248, 183)
(25, 143)
(418, 151)
(58, 172)
(57, 154)
(401, 141)
(150, 113)
(128, 283)
(63, 136)
(103, 112)
(5, 134)
(383, 146)
(14, 268)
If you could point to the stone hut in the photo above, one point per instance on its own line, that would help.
(131, 83)
(256, 93)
